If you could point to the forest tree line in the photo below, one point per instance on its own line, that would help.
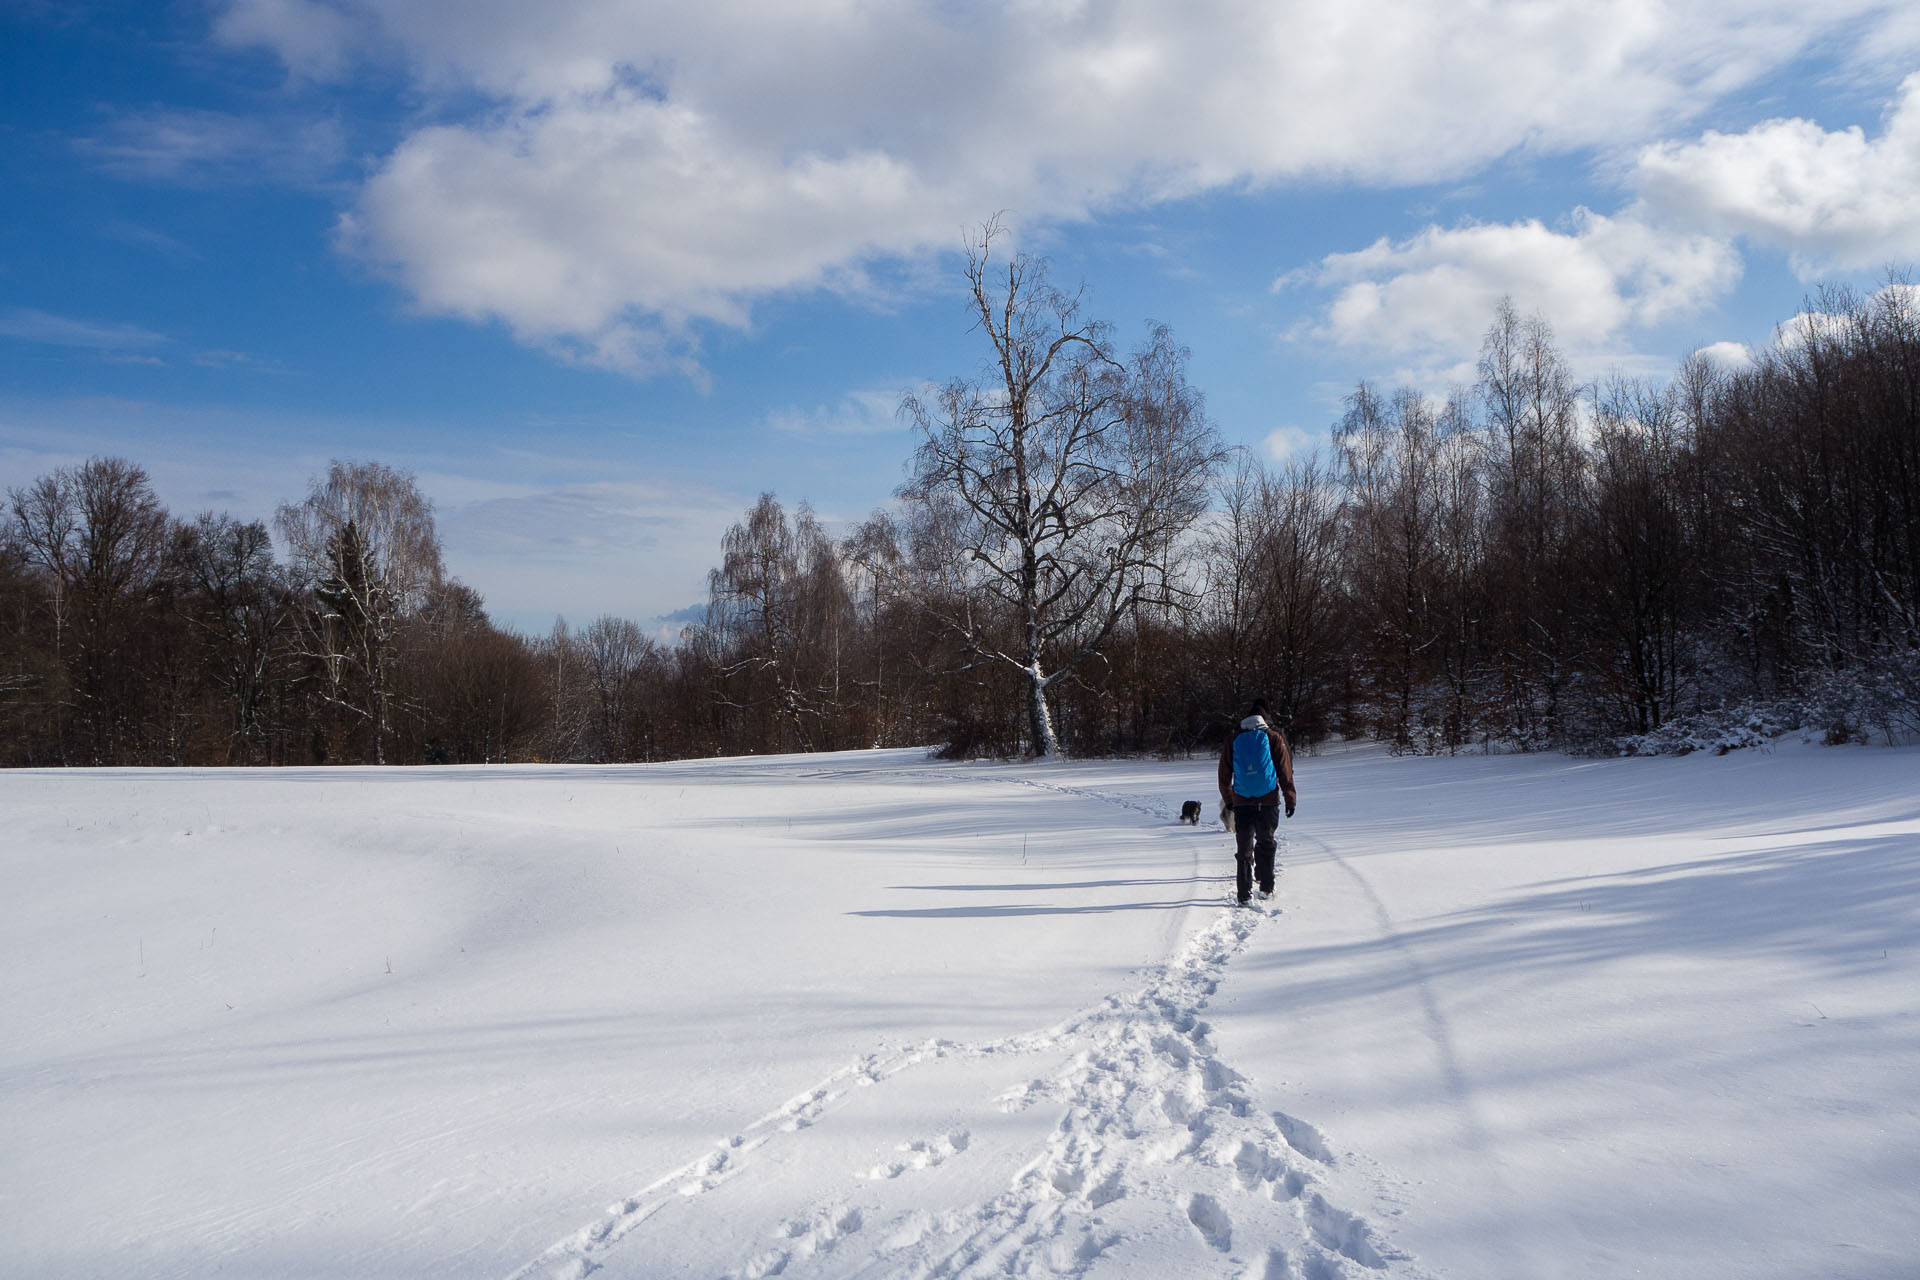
(1074, 563)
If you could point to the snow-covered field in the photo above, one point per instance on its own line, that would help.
(867, 1015)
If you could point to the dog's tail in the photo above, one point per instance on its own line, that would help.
(1226, 816)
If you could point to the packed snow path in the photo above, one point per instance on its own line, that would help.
(1162, 1151)
(873, 1015)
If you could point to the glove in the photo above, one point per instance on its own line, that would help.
(1289, 808)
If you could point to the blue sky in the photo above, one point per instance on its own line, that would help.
(600, 272)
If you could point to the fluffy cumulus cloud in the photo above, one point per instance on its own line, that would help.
(1730, 356)
(640, 169)
(1431, 297)
(606, 229)
(1834, 199)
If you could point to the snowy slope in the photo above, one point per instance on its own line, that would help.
(865, 1014)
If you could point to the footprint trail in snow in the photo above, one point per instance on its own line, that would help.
(1161, 1163)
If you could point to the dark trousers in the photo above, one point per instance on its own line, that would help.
(1254, 845)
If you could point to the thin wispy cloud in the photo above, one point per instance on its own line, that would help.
(313, 40)
(31, 325)
(870, 412)
(222, 358)
(134, 233)
(630, 546)
(215, 148)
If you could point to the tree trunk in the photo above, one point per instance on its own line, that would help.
(1039, 720)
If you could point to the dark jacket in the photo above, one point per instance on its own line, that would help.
(1282, 765)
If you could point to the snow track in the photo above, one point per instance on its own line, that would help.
(1160, 1161)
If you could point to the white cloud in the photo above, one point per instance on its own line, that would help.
(1283, 443)
(603, 229)
(1431, 297)
(312, 39)
(871, 412)
(644, 168)
(1834, 200)
(1730, 357)
(1890, 302)
(1810, 326)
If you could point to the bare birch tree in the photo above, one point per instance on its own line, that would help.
(1050, 490)
(363, 542)
(1536, 475)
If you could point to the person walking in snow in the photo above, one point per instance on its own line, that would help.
(1256, 777)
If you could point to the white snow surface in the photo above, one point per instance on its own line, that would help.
(867, 1014)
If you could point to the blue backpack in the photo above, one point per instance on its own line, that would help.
(1253, 772)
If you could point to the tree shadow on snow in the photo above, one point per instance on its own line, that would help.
(1058, 884)
(1006, 911)
(1841, 905)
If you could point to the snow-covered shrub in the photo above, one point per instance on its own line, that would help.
(1879, 699)
(1721, 731)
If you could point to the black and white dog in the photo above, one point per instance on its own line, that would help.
(1190, 812)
